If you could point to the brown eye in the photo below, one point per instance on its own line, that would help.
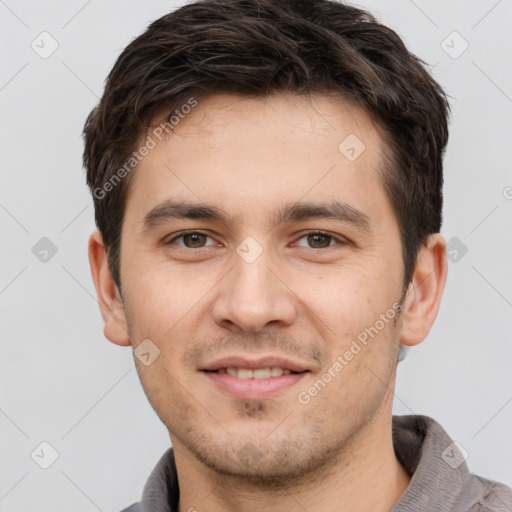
(319, 240)
(194, 240)
(191, 240)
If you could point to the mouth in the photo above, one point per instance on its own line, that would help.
(257, 373)
(254, 379)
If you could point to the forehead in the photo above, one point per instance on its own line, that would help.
(288, 117)
(254, 154)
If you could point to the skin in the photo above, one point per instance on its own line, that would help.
(305, 298)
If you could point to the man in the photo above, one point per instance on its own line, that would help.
(267, 179)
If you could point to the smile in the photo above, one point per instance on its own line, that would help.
(254, 373)
(253, 383)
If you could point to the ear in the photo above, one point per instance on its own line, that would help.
(110, 301)
(425, 290)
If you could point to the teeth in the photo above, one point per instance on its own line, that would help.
(262, 373)
(276, 372)
(258, 373)
(244, 373)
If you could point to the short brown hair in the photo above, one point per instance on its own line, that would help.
(259, 47)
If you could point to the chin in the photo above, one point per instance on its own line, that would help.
(262, 464)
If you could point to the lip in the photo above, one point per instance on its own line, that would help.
(262, 362)
(254, 389)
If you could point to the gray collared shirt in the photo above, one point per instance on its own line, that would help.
(441, 481)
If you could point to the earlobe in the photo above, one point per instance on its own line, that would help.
(110, 301)
(424, 293)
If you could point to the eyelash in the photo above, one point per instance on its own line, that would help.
(339, 240)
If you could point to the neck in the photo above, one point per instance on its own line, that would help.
(365, 476)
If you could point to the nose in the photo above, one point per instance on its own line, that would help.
(254, 296)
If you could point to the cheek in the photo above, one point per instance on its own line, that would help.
(161, 296)
(355, 317)
(347, 299)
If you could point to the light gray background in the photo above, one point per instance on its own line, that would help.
(62, 382)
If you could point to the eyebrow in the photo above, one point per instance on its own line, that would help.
(299, 211)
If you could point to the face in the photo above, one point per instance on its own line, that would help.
(261, 257)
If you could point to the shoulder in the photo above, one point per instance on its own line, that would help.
(132, 508)
(497, 497)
